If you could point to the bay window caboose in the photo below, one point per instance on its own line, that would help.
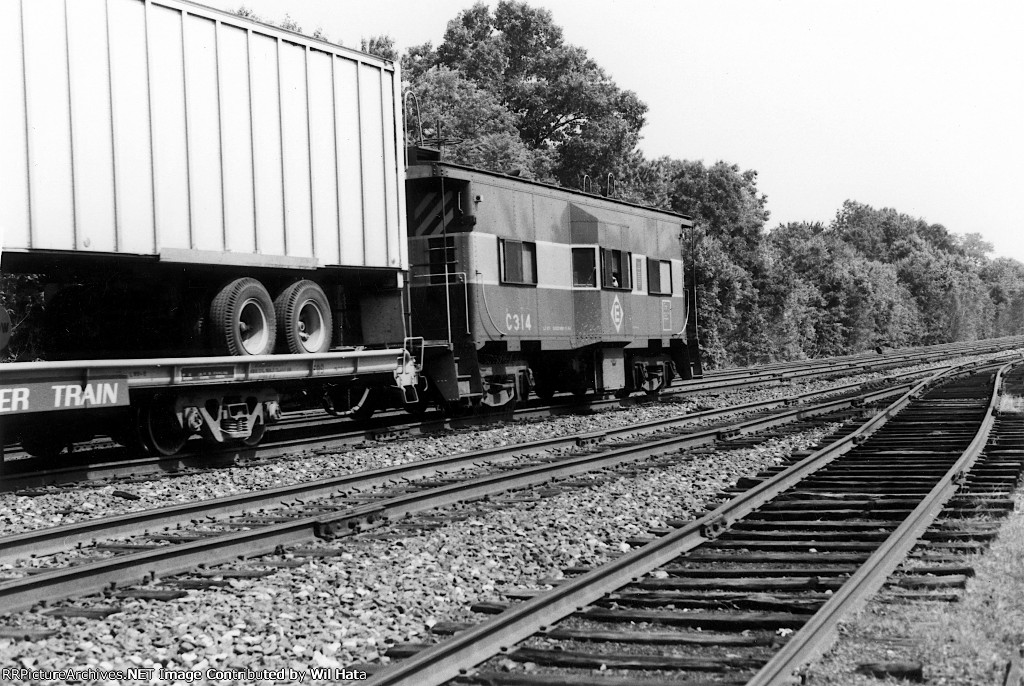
(519, 286)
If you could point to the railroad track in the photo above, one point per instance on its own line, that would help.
(303, 431)
(180, 538)
(755, 588)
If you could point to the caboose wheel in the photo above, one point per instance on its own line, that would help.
(160, 429)
(242, 318)
(304, 320)
(654, 382)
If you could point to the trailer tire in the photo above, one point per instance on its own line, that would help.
(304, 320)
(242, 319)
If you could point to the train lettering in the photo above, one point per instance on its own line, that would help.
(518, 322)
(45, 397)
(73, 395)
(14, 400)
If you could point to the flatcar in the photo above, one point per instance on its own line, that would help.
(192, 185)
(517, 286)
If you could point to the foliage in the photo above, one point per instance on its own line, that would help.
(566, 108)
(22, 295)
(289, 24)
(454, 108)
(381, 46)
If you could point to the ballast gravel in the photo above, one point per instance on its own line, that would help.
(20, 513)
(376, 590)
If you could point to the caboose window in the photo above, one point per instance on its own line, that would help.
(518, 262)
(659, 277)
(584, 267)
(615, 269)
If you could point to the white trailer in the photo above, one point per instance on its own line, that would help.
(159, 133)
(167, 129)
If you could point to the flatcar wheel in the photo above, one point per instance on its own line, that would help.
(544, 392)
(160, 430)
(304, 320)
(365, 405)
(259, 430)
(242, 318)
(45, 445)
(355, 401)
(424, 394)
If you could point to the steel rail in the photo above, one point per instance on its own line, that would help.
(14, 479)
(46, 541)
(24, 592)
(452, 657)
(818, 633)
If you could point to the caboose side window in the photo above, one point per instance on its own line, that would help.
(615, 269)
(584, 267)
(518, 261)
(659, 277)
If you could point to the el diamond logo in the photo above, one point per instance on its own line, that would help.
(617, 313)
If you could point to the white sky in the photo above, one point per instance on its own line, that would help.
(916, 105)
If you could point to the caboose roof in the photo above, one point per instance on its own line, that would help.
(434, 169)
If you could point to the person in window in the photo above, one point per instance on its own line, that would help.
(615, 280)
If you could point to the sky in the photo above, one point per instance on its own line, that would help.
(915, 105)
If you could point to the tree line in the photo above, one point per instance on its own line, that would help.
(504, 91)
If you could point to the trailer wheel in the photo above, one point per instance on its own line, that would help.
(304, 320)
(242, 318)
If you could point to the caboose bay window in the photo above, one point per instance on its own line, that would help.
(584, 267)
(659, 277)
(615, 269)
(518, 261)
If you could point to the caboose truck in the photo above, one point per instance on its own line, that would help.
(197, 189)
(517, 285)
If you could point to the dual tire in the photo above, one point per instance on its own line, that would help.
(245, 321)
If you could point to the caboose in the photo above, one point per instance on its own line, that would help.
(517, 285)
